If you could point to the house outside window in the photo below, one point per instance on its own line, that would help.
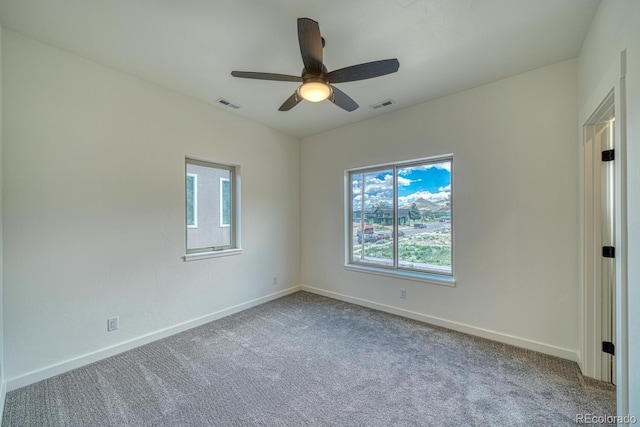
(192, 200)
(225, 202)
(400, 217)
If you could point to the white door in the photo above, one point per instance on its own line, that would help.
(607, 235)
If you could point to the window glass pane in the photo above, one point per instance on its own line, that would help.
(191, 201)
(211, 232)
(424, 213)
(225, 202)
(372, 217)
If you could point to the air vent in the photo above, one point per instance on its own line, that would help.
(383, 104)
(227, 103)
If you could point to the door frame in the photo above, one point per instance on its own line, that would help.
(597, 308)
(614, 80)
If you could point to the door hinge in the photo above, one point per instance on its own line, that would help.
(609, 347)
(608, 252)
(608, 155)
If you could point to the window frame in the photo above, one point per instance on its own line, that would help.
(234, 247)
(395, 270)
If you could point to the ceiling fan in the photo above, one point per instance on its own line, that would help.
(317, 82)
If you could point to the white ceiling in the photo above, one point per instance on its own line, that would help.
(191, 46)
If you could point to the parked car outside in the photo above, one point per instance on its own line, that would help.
(368, 238)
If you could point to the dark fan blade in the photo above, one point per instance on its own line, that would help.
(310, 45)
(363, 71)
(266, 76)
(291, 102)
(343, 100)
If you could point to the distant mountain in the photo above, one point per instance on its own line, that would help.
(425, 205)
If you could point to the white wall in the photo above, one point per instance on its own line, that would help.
(515, 208)
(94, 210)
(614, 29)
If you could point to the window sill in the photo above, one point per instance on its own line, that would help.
(434, 279)
(212, 254)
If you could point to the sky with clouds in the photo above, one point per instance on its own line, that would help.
(431, 182)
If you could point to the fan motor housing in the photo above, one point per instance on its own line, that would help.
(311, 77)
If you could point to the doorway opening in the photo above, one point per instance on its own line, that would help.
(599, 251)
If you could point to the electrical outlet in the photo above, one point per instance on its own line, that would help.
(275, 280)
(403, 294)
(113, 324)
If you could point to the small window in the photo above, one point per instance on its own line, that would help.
(400, 217)
(211, 206)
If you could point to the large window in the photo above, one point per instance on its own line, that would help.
(211, 193)
(400, 217)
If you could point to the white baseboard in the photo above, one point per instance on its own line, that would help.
(59, 368)
(456, 326)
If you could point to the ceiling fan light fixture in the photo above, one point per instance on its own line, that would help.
(315, 90)
(315, 77)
